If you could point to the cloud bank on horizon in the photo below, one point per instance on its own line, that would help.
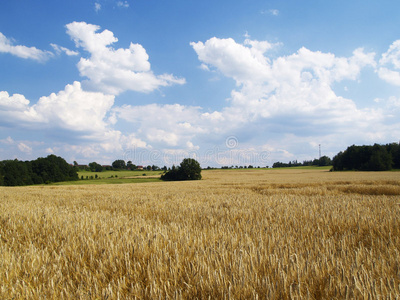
(280, 107)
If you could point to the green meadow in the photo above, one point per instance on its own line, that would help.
(114, 177)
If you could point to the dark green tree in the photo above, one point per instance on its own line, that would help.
(119, 164)
(95, 167)
(380, 159)
(189, 169)
(16, 173)
(1, 173)
(131, 166)
(324, 161)
(172, 174)
(53, 169)
(394, 150)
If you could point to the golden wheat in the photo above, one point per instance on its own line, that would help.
(251, 234)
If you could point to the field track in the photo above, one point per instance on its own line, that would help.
(236, 234)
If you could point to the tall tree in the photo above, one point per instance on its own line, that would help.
(189, 169)
(119, 164)
(95, 167)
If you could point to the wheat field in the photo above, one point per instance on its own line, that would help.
(236, 234)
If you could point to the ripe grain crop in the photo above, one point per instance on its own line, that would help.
(245, 234)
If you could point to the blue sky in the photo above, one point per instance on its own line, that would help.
(226, 82)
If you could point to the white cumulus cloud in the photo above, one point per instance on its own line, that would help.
(392, 56)
(232, 59)
(289, 95)
(115, 70)
(72, 109)
(298, 83)
(390, 76)
(80, 116)
(171, 125)
(390, 64)
(75, 109)
(6, 46)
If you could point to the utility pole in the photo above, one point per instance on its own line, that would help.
(319, 151)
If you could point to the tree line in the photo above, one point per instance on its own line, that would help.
(118, 164)
(368, 158)
(42, 170)
(322, 161)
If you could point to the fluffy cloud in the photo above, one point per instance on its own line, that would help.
(391, 59)
(292, 95)
(79, 119)
(75, 109)
(392, 56)
(234, 60)
(16, 102)
(247, 63)
(15, 110)
(6, 46)
(390, 76)
(70, 109)
(164, 125)
(298, 83)
(115, 70)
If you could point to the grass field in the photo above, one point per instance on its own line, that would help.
(120, 174)
(114, 177)
(242, 234)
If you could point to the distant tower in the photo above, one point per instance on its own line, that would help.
(319, 151)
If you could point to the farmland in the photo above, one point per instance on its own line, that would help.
(236, 234)
(114, 177)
